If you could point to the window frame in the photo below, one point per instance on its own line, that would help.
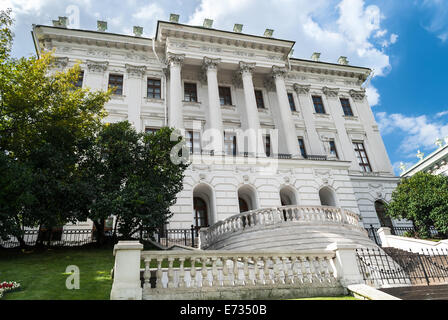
(193, 139)
(151, 130)
(302, 147)
(318, 105)
(347, 109)
(334, 148)
(191, 94)
(226, 97)
(292, 103)
(260, 98)
(233, 143)
(362, 164)
(267, 143)
(80, 82)
(154, 87)
(120, 89)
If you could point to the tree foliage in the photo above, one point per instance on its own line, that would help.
(46, 125)
(422, 199)
(132, 177)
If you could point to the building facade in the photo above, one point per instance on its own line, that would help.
(290, 131)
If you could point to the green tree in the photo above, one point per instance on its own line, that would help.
(46, 126)
(130, 175)
(422, 199)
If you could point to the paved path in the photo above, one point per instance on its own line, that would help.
(436, 292)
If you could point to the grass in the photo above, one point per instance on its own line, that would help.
(42, 273)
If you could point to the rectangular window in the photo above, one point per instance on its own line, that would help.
(346, 107)
(292, 105)
(154, 88)
(267, 145)
(318, 104)
(190, 92)
(193, 139)
(230, 144)
(333, 150)
(302, 147)
(80, 80)
(362, 156)
(225, 97)
(259, 99)
(116, 82)
(151, 130)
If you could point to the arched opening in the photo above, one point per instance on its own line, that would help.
(327, 197)
(380, 209)
(247, 199)
(200, 213)
(203, 206)
(288, 197)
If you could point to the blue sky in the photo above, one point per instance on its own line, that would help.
(404, 41)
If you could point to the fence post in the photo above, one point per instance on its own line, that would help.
(127, 284)
(383, 233)
(345, 264)
(192, 236)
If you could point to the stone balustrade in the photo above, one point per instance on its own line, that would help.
(280, 215)
(217, 271)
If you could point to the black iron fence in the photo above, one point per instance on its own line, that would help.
(392, 266)
(399, 231)
(63, 238)
(186, 237)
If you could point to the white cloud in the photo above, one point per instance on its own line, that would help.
(149, 12)
(372, 96)
(417, 132)
(441, 114)
(393, 38)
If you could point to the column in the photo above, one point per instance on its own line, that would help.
(307, 108)
(335, 107)
(134, 94)
(175, 110)
(214, 126)
(254, 134)
(287, 123)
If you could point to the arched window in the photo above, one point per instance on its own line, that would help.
(385, 221)
(249, 199)
(200, 213)
(288, 197)
(203, 206)
(327, 197)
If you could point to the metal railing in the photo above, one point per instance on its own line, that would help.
(185, 237)
(393, 266)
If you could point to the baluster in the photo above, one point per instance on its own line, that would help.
(258, 271)
(159, 284)
(286, 271)
(266, 273)
(246, 271)
(225, 273)
(204, 273)
(147, 274)
(170, 273)
(324, 268)
(318, 268)
(313, 270)
(182, 273)
(235, 271)
(306, 266)
(215, 279)
(193, 275)
(276, 270)
(295, 270)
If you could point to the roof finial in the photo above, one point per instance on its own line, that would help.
(174, 18)
(420, 155)
(238, 28)
(315, 56)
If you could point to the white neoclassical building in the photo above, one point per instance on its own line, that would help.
(435, 163)
(293, 131)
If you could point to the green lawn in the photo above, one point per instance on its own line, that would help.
(42, 274)
(330, 298)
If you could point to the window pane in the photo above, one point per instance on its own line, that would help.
(259, 99)
(292, 105)
(318, 104)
